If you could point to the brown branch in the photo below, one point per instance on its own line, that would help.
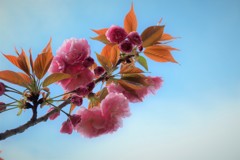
(32, 122)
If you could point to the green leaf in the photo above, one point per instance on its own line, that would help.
(143, 62)
(19, 111)
(54, 78)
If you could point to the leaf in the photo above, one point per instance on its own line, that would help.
(130, 21)
(14, 77)
(43, 61)
(129, 68)
(166, 37)
(102, 94)
(21, 61)
(106, 64)
(73, 106)
(130, 84)
(143, 62)
(106, 51)
(137, 79)
(152, 35)
(102, 38)
(24, 77)
(115, 55)
(158, 54)
(129, 88)
(100, 31)
(54, 78)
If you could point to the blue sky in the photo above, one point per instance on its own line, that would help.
(195, 115)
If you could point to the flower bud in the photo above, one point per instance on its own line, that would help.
(98, 70)
(116, 34)
(2, 88)
(2, 107)
(90, 86)
(126, 46)
(77, 100)
(135, 38)
(82, 91)
(88, 62)
(66, 127)
(75, 119)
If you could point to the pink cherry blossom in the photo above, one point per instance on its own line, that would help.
(116, 34)
(54, 115)
(126, 46)
(2, 88)
(80, 78)
(115, 105)
(154, 84)
(74, 50)
(88, 62)
(92, 122)
(135, 38)
(67, 127)
(57, 65)
(75, 119)
(2, 107)
(77, 100)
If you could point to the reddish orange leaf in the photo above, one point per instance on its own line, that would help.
(106, 51)
(158, 54)
(100, 31)
(106, 64)
(166, 37)
(152, 35)
(73, 106)
(129, 68)
(102, 38)
(21, 61)
(25, 77)
(43, 61)
(115, 55)
(14, 77)
(130, 21)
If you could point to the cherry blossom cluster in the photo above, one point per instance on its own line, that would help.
(126, 42)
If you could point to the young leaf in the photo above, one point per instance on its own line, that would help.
(130, 21)
(14, 77)
(158, 54)
(73, 106)
(143, 62)
(21, 61)
(100, 31)
(166, 37)
(54, 78)
(106, 64)
(152, 35)
(43, 61)
(102, 94)
(102, 38)
(129, 68)
(106, 51)
(115, 55)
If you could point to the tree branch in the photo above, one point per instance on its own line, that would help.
(32, 122)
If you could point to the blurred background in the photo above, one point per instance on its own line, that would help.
(194, 116)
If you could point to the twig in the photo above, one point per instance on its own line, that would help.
(22, 128)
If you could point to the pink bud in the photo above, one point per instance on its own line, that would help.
(75, 119)
(82, 91)
(135, 38)
(88, 62)
(90, 86)
(2, 107)
(98, 70)
(54, 115)
(2, 88)
(116, 34)
(66, 127)
(126, 46)
(77, 100)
